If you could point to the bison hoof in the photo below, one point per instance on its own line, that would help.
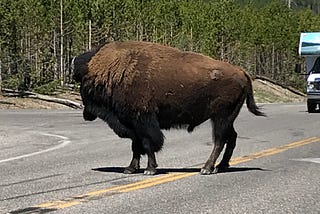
(149, 172)
(129, 170)
(216, 170)
(221, 168)
(205, 171)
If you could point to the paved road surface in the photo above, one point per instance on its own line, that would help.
(53, 161)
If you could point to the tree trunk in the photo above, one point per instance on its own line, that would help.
(89, 39)
(0, 77)
(61, 45)
(61, 101)
(273, 70)
(55, 66)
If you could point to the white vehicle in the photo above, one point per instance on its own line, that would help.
(309, 48)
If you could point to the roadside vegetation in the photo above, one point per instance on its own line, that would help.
(38, 38)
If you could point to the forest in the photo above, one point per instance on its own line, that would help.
(39, 38)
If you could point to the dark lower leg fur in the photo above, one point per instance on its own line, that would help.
(219, 130)
(208, 168)
(137, 150)
(231, 144)
(119, 128)
(147, 128)
(223, 133)
(152, 163)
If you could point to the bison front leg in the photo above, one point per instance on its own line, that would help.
(137, 150)
(147, 128)
(152, 163)
(134, 165)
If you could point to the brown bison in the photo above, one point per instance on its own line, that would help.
(139, 88)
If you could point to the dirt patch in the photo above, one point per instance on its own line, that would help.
(267, 92)
(31, 103)
(27, 103)
(264, 92)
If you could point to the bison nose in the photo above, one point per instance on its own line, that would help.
(88, 116)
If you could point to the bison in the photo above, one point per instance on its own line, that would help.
(139, 88)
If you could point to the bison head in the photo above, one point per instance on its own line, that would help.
(80, 64)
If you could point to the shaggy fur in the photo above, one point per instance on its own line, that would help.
(139, 88)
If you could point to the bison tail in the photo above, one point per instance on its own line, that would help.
(251, 104)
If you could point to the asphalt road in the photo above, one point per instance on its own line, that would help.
(53, 161)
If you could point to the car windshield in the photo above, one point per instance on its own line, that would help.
(316, 66)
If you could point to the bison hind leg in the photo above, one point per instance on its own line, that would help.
(220, 128)
(230, 145)
(223, 133)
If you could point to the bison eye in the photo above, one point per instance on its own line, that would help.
(76, 77)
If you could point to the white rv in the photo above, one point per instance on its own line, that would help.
(309, 48)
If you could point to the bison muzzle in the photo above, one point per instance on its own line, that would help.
(139, 88)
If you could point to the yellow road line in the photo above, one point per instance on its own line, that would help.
(60, 204)
(129, 186)
(175, 176)
(273, 151)
(91, 195)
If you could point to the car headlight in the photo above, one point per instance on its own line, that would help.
(310, 87)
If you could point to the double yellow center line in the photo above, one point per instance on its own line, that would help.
(157, 180)
(114, 190)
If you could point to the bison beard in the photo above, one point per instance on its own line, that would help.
(139, 88)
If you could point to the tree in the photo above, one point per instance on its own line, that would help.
(38, 38)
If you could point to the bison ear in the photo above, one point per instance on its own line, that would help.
(75, 77)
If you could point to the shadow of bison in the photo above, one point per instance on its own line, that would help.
(139, 88)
